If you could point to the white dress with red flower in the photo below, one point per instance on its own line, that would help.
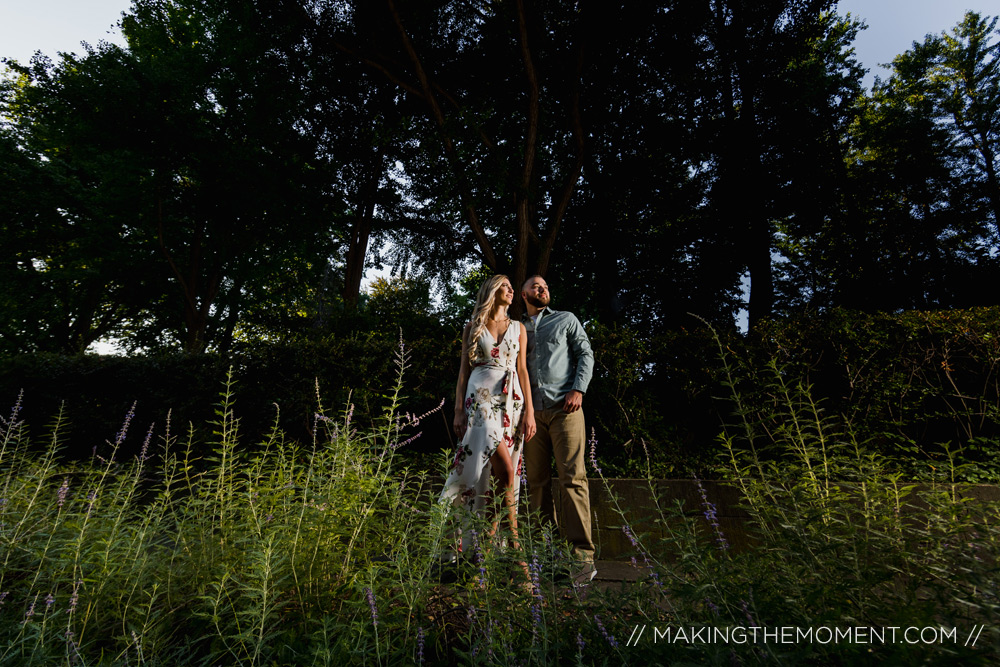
(493, 405)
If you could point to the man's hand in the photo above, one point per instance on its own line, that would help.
(574, 401)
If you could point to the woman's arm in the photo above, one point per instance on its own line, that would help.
(528, 419)
(464, 371)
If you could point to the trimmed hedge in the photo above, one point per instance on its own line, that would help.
(920, 387)
(916, 386)
(272, 381)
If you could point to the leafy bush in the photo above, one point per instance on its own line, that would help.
(921, 388)
(283, 378)
(838, 541)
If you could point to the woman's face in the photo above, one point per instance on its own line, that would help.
(505, 294)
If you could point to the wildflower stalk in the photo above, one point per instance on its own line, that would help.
(27, 513)
(383, 461)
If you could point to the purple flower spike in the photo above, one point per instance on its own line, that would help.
(145, 443)
(480, 560)
(654, 577)
(371, 603)
(63, 492)
(746, 612)
(612, 642)
(407, 441)
(75, 597)
(711, 516)
(535, 569)
(712, 606)
(9, 425)
(593, 451)
(128, 420)
(31, 610)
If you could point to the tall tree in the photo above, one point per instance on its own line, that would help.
(963, 77)
(72, 273)
(913, 225)
(236, 191)
(199, 121)
(775, 87)
(640, 246)
(497, 87)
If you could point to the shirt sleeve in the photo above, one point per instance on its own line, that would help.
(579, 343)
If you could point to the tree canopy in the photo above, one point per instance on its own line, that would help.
(233, 169)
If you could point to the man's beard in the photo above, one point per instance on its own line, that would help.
(536, 301)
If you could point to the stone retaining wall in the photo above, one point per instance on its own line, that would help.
(637, 500)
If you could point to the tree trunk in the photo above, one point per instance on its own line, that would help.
(361, 230)
(757, 227)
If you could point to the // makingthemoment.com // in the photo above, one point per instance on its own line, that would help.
(754, 634)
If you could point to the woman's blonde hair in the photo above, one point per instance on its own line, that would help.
(485, 302)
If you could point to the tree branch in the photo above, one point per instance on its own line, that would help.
(569, 185)
(523, 194)
(374, 64)
(470, 210)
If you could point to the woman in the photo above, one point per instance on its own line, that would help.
(492, 389)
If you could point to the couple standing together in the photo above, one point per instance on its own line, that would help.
(518, 402)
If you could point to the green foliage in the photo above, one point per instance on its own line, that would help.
(174, 183)
(280, 378)
(922, 386)
(837, 539)
(914, 221)
(962, 78)
(839, 523)
(327, 552)
(459, 300)
(919, 387)
(401, 303)
(169, 557)
(653, 399)
(225, 175)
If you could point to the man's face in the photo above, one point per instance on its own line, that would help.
(536, 292)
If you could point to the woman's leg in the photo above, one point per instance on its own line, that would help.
(503, 470)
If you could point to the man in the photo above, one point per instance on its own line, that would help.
(560, 365)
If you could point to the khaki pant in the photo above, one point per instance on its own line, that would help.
(564, 436)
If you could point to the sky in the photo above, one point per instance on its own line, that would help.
(56, 25)
(60, 25)
(893, 25)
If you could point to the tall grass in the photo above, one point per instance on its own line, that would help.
(329, 552)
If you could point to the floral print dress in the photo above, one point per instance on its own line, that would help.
(493, 406)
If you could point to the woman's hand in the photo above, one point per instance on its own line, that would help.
(460, 424)
(529, 425)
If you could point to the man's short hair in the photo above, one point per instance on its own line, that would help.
(524, 285)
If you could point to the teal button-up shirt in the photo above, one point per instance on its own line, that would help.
(559, 357)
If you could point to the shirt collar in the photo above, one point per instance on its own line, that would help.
(547, 310)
